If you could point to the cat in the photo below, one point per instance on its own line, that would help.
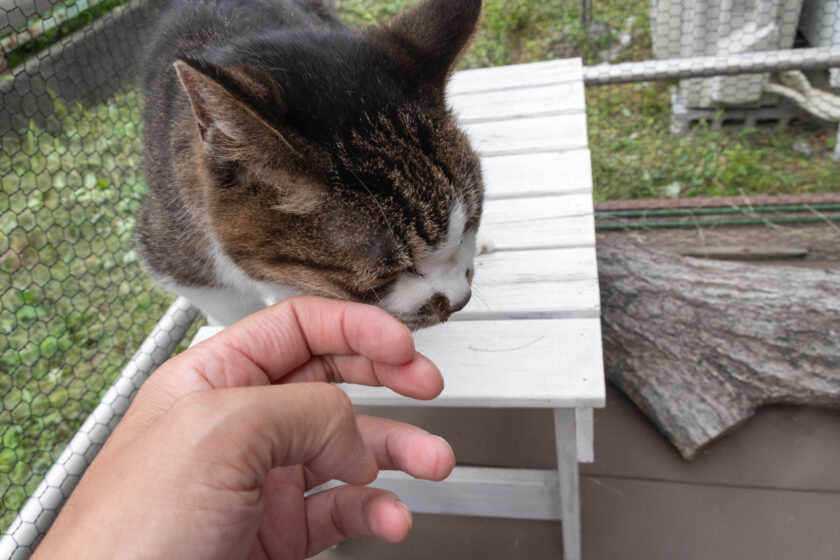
(286, 154)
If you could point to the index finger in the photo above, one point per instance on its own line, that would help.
(266, 346)
(285, 336)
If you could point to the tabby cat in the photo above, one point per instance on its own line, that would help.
(286, 154)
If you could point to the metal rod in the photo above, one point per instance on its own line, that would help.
(665, 212)
(32, 66)
(39, 26)
(686, 223)
(37, 515)
(706, 66)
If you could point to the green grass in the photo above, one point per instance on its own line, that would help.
(635, 156)
(75, 303)
(633, 153)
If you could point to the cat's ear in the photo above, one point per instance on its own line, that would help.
(227, 105)
(427, 40)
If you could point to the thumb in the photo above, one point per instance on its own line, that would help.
(254, 429)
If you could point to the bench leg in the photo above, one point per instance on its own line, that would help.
(567, 468)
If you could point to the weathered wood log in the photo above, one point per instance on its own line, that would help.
(698, 345)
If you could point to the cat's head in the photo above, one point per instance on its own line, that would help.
(330, 162)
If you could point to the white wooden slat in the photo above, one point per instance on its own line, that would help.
(516, 76)
(534, 284)
(538, 283)
(527, 363)
(585, 428)
(537, 134)
(482, 491)
(541, 222)
(537, 174)
(204, 333)
(568, 481)
(544, 100)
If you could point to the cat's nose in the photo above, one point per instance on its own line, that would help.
(439, 306)
(461, 304)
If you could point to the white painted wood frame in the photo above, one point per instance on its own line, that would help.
(531, 335)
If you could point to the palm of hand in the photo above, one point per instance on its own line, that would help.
(216, 454)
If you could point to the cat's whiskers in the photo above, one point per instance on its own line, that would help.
(319, 290)
(416, 333)
(414, 326)
(379, 299)
(477, 293)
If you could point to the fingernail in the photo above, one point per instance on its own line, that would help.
(405, 510)
(444, 442)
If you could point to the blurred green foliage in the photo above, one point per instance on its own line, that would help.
(74, 300)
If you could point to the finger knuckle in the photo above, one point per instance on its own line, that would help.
(335, 398)
(199, 415)
(197, 403)
(338, 405)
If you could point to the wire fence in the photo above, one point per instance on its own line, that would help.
(686, 99)
(75, 303)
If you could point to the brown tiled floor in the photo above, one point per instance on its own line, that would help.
(770, 490)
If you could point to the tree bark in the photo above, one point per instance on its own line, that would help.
(698, 345)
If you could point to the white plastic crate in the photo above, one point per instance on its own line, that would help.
(686, 28)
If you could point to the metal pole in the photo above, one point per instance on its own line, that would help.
(586, 13)
(706, 66)
(37, 515)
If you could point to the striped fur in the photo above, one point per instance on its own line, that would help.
(286, 154)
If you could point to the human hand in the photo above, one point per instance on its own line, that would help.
(213, 458)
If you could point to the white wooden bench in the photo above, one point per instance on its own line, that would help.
(531, 335)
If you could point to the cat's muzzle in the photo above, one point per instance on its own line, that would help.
(435, 311)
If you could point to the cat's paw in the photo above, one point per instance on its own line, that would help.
(484, 245)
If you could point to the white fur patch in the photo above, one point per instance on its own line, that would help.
(444, 271)
(240, 295)
(230, 274)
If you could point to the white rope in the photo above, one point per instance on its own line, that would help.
(798, 89)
